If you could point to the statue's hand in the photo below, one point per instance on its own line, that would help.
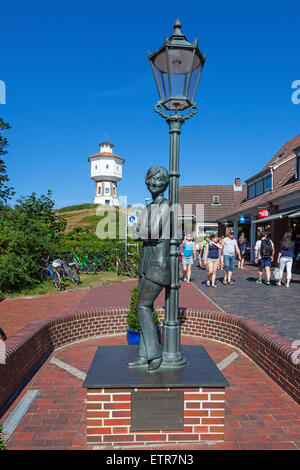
(135, 232)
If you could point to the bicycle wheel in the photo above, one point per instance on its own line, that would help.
(57, 280)
(122, 267)
(90, 268)
(45, 275)
(74, 276)
(131, 268)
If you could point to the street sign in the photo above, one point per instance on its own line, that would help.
(131, 219)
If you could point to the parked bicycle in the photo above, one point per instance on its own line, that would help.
(69, 271)
(97, 258)
(51, 272)
(126, 265)
(85, 264)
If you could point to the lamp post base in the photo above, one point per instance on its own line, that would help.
(171, 353)
(174, 360)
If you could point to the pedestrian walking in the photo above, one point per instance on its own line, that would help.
(285, 257)
(222, 257)
(264, 255)
(198, 250)
(205, 242)
(230, 250)
(188, 257)
(212, 259)
(242, 242)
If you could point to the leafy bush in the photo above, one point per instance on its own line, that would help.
(132, 318)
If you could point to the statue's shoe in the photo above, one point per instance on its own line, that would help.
(154, 364)
(139, 362)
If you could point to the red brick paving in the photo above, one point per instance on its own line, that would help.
(17, 313)
(258, 413)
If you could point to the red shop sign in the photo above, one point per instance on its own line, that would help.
(263, 213)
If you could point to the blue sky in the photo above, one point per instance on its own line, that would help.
(77, 74)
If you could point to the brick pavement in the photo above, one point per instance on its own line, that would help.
(17, 313)
(258, 414)
(273, 306)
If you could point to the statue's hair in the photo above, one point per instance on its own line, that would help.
(155, 170)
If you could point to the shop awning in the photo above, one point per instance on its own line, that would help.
(279, 215)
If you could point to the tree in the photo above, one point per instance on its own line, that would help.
(28, 233)
(42, 209)
(5, 191)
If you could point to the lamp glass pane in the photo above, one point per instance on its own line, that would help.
(179, 84)
(180, 60)
(162, 83)
(194, 82)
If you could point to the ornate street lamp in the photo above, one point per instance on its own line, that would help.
(177, 68)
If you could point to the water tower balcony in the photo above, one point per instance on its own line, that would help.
(107, 175)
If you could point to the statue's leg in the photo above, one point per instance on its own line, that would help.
(149, 343)
(142, 359)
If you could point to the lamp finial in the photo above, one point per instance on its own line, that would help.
(177, 28)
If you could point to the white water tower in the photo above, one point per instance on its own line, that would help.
(106, 171)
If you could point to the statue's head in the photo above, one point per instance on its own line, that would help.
(157, 179)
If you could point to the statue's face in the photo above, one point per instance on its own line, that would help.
(157, 184)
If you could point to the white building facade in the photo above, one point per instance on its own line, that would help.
(106, 171)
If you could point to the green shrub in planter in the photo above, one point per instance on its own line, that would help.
(132, 318)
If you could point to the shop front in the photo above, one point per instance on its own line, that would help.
(277, 224)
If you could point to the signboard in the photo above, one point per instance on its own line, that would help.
(156, 411)
(245, 220)
(263, 213)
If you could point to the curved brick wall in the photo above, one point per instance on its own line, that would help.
(26, 350)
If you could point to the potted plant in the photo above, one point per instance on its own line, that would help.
(133, 328)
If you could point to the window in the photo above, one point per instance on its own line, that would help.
(95, 167)
(259, 187)
(267, 183)
(297, 153)
(99, 190)
(216, 200)
(107, 167)
(298, 168)
(251, 191)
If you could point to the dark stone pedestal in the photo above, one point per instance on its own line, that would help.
(132, 406)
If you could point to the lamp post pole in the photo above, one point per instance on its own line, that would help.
(171, 331)
(177, 68)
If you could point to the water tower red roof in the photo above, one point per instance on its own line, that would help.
(106, 154)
